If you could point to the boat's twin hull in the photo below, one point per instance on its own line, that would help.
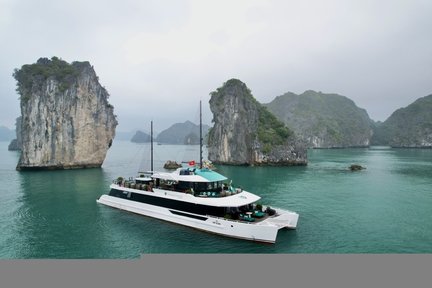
(264, 231)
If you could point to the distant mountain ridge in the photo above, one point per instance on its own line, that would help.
(6, 134)
(408, 127)
(123, 135)
(328, 121)
(182, 133)
(324, 120)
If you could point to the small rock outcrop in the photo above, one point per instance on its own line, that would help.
(324, 120)
(356, 167)
(66, 121)
(246, 133)
(172, 165)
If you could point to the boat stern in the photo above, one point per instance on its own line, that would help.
(283, 219)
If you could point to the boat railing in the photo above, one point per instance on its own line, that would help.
(247, 216)
(227, 219)
(134, 184)
(218, 194)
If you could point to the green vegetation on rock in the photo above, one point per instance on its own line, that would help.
(43, 69)
(271, 131)
(233, 84)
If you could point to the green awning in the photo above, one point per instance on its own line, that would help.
(210, 175)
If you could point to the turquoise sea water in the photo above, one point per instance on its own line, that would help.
(386, 208)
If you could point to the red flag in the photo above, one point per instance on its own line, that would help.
(191, 163)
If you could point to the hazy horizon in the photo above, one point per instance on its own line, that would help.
(158, 59)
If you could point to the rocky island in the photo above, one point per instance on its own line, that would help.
(246, 133)
(66, 120)
(324, 120)
(141, 137)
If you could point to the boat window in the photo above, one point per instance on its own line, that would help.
(200, 186)
(245, 208)
(182, 185)
(167, 184)
(215, 186)
(187, 172)
(205, 187)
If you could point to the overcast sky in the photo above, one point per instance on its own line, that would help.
(158, 59)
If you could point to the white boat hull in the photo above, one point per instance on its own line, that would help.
(262, 231)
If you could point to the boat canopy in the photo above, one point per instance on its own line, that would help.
(144, 179)
(190, 175)
(237, 200)
(210, 175)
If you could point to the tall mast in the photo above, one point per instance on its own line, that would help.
(201, 139)
(151, 146)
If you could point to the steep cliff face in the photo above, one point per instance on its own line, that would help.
(67, 121)
(245, 133)
(409, 127)
(324, 120)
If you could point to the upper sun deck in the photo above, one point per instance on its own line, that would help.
(194, 175)
(198, 183)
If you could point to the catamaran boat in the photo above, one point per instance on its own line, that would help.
(198, 197)
(201, 199)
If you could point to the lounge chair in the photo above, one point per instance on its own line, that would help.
(258, 214)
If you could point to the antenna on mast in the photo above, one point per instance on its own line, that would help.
(151, 146)
(201, 139)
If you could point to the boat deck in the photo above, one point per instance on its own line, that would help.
(138, 184)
